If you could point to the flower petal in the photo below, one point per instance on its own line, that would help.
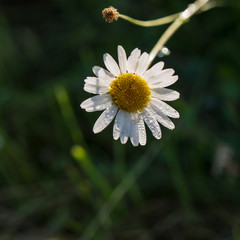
(167, 82)
(122, 59)
(163, 81)
(152, 123)
(134, 135)
(142, 132)
(95, 89)
(105, 119)
(153, 71)
(103, 74)
(142, 64)
(95, 85)
(95, 81)
(162, 118)
(133, 60)
(118, 124)
(164, 108)
(165, 94)
(111, 64)
(161, 77)
(125, 133)
(97, 103)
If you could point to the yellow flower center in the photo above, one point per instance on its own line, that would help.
(130, 92)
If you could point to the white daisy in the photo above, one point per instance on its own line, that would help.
(133, 94)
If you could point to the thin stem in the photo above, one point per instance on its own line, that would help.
(179, 21)
(151, 23)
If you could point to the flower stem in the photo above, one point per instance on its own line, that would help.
(151, 23)
(179, 21)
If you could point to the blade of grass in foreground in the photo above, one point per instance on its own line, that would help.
(79, 151)
(68, 115)
(82, 158)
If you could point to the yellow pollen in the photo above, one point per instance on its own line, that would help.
(130, 92)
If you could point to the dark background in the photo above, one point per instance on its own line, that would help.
(55, 174)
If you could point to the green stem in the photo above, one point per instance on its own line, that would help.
(179, 21)
(151, 23)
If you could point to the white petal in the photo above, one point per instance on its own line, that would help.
(164, 108)
(103, 74)
(162, 118)
(122, 59)
(142, 132)
(105, 119)
(125, 133)
(118, 124)
(152, 123)
(134, 135)
(133, 60)
(165, 94)
(95, 81)
(161, 77)
(167, 82)
(95, 89)
(153, 71)
(95, 85)
(163, 80)
(111, 64)
(142, 64)
(97, 103)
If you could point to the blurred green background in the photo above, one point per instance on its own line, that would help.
(60, 181)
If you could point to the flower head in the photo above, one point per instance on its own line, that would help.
(133, 94)
(110, 14)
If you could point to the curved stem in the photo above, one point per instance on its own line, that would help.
(179, 21)
(151, 23)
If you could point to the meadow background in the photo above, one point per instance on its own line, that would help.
(60, 181)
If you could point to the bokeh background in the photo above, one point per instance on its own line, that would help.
(60, 181)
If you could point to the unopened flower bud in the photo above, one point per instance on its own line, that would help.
(110, 14)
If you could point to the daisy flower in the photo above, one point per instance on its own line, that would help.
(133, 94)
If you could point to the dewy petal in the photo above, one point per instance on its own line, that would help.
(164, 108)
(162, 118)
(95, 85)
(152, 123)
(96, 81)
(122, 59)
(133, 60)
(103, 74)
(167, 82)
(142, 132)
(125, 133)
(97, 103)
(165, 94)
(142, 64)
(111, 64)
(161, 77)
(95, 89)
(134, 135)
(105, 119)
(153, 71)
(118, 124)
